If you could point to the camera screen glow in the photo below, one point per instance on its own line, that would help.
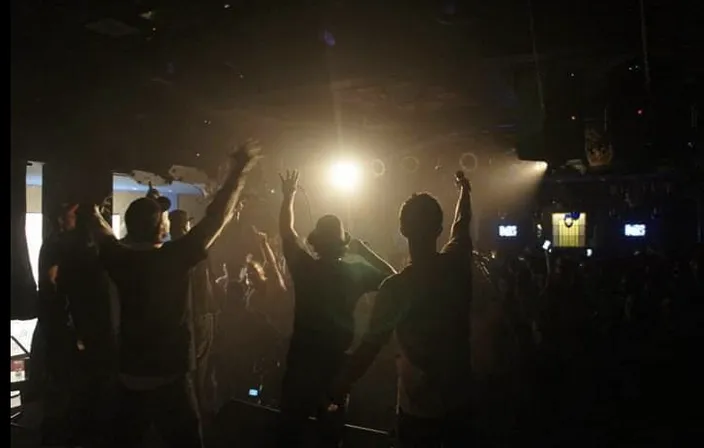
(508, 231)
(253, 392)
(634, 230)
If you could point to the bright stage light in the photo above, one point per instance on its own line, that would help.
(541, 166)
(345, 176)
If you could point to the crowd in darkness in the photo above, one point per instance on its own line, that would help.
(598, 352)
(564, 350)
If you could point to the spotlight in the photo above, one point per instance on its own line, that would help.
(345, 176)
(541, 166)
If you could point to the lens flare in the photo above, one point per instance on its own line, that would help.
(345, 176)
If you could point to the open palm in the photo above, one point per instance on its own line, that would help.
(289, 182)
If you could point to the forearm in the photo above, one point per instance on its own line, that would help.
(286, 217)
(375, 260)
(273, 266)
(100, 230)
(222, 209)
(357, 364)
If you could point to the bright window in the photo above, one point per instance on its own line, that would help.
(33, 232)
(117, 226)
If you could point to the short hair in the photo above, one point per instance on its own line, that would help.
(143, 219)
(421, 216)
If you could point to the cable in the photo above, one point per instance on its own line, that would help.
(309, 209)
(534, 45)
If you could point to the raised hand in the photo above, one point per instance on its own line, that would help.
(246, 155)
(289, 182)
(152, 193)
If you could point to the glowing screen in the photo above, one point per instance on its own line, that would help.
(508, 231)
(634, 230)
(569, 229)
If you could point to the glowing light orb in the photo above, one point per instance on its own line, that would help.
(345, 176)
(541, 166)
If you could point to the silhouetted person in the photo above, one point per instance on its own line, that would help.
(156, 347)
(327, 290)
(428, 307)
(270, 297)
(55, 346)
(87, 290)
(204, 310)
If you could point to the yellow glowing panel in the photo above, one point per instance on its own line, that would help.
(569, 232)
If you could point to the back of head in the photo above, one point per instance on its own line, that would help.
(421, 217)
(329, 239)
(144, 221)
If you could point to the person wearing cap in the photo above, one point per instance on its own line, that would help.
(164, 205)
(327, 289)
(156, 349)
(427, 306)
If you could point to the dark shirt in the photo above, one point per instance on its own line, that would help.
(326, 294)
(428, 306)
(49, 256)
(52, 312)
(86, 286)
(156, 326)
(202, 289)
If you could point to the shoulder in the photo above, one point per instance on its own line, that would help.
(295, 251)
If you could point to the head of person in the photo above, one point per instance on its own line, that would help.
(147, 220)
(65, 217)
(421, 219)
(179, 223)
(329, 239)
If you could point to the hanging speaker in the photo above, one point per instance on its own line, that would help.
(469, 162)
(378, 168)
(410, 164)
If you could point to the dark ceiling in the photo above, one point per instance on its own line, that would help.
(132, 76)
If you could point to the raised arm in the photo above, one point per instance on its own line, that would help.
(289, 185)
(360, 248)
(224, 205)
(271, 265)
(460, 237)
(100, 230)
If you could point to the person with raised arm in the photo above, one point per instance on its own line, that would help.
(427, 305)
(326, 289)
(156, 346)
